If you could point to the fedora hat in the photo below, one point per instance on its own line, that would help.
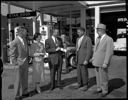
(101, 26)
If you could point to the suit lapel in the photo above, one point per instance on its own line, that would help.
(21, 44)
(103, 40)
(52, 41)
(84, 38)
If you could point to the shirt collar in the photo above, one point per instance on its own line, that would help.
(81, 37)
(53, 37)
(103, 36)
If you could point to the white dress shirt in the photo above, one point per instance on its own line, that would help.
(54, 39)
(79, 42)
(102, 37)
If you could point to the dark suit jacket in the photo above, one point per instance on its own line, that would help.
(85, 50)
(51, 50)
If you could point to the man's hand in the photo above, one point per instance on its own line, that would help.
(104, 66)
(36, 54)
(85, 62)
(58, 48)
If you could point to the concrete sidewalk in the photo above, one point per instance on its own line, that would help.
(117, 84)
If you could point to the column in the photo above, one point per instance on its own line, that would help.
(34, 19)
(9, 29)
(97, 19)
(34, 25)
(83, 18)
(9, 23)
(70, 31)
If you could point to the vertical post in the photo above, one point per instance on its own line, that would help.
(83, 18)
(34, 25)
(9, 29)
(41, 19)
(70, 32)
(34, 20)
(9, 23)
(97, 19)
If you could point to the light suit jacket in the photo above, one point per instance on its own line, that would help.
(85, 50)
(18, 51)
(103, 53)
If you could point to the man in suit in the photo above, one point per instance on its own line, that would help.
(53, 46)
(19, 56)
(102, 55)
(83, 55)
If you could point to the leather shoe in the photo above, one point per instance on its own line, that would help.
(97, 92)
(77, 86)
(52, 88)
(38, 90)
(60, 87)
(103, 94)
(84, 88)
(25, 95)
(18, 98)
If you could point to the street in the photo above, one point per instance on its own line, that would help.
(117, 83)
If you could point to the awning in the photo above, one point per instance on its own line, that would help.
(56, 8)
(61, 8)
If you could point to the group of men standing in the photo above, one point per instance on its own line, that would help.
(100, 58)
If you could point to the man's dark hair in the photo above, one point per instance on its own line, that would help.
(36, 35)
(81, 28)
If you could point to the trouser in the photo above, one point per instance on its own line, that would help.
(102, 79)
(21, 82)
(82, 75)
(53, 69)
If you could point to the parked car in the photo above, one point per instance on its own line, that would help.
(120, 44)
(70, 56)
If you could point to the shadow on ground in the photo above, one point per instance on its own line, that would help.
(66, 82)
(115, 84)
(69, 81)
(43, 88)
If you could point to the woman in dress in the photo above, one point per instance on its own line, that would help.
(37, 52)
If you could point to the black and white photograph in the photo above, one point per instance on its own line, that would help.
(63, 49)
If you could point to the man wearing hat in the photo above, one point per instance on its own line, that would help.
(102, 55)
(19, 56)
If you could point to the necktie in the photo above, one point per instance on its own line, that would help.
(98, 42)
(56, 41)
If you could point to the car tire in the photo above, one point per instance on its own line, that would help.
(71, 60)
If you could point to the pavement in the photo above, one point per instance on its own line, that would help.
(117, 83)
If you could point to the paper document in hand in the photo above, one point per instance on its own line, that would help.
(64, 50)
